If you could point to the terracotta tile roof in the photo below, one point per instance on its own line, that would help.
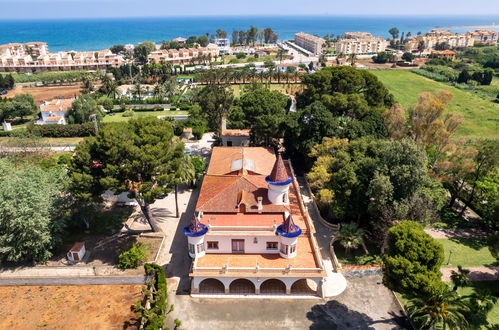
(444, 52)
(223, 194)
(279, 172)
(289, 226)
(236, 132)
(77, 246)
(53, 119)
(243, 219)
(222, 160)
(57, 105)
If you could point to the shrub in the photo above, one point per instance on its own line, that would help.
(72, 130)
(154, 318)
(240, 55)
(132, 258)
(128, 113)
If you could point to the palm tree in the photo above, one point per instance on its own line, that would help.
(460, 278)
(352, 58)
(185, 173)
(442, 311)
(350, 237)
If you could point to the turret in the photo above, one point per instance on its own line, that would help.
(288, 237)
(195, 237)
(278, 182)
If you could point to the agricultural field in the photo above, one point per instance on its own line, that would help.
(56, 307)
(42, 94)
(118, 117)
(481, 116)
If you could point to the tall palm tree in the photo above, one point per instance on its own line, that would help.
(460, 278)
(185, 172)
(352, 58)
(350, 237)
(443, 311)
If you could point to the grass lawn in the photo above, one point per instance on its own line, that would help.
(492, 286)
(467, 252)
(15, 141)
(480, 115)
(357, 257)
(118, 117)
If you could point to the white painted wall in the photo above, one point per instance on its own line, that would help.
(237, 141)
(225, 243)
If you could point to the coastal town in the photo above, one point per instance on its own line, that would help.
(240, 180)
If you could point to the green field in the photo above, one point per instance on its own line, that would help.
(118, 117)
(467, 252)
(481, 116)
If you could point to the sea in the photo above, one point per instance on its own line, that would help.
(96, 34)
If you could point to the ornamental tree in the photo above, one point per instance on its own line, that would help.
(140, 157)
(29, 200)
(412, 261)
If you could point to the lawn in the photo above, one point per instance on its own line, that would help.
(356, 257)
(480, 115)
(118, 117)
(467, 252)
(17, 142)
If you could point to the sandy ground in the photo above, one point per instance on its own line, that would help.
(42, 94)
(68, 307)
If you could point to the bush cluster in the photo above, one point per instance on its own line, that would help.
(133, 257)
(72, 130)
(154, 318)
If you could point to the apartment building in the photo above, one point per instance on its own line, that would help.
(250, 233)
(360, 43)
(434, 37)
(313, 44)
(54, 112)
(34, 57)
(486, 37)
(185, 55)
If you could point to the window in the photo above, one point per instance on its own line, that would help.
(191, 249)
(200, 247)
(229, 143)
(284, 249)
(271, 245)
(212, 245)
(292, 249)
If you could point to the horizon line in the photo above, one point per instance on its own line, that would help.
(249, 16)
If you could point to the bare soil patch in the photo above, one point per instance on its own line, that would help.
(42, 94)
(68, 307)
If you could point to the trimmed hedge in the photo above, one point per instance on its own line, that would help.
(155, 317)
(73, 130)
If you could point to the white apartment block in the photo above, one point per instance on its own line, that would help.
(34, 57)
(313, 44)
(185, 55)
(434, 37)
(486, 37)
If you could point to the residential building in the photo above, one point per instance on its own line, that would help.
(360, 43)
(434, 37)
(179, 40)
(54, 111)
(486, 37)
(223, 44)
(185, 55)
(445, 54)
(34, 57)
(235, 137)
(250, 233)
(313, 44)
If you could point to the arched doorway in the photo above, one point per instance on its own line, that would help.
(304, 286)
(242, 286)
(211, 286)
(273, 286)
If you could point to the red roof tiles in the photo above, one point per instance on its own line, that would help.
(279, 173)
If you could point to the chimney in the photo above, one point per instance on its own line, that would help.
(224, 123)
(260, 204)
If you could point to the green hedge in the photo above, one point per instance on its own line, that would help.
(155, 317)
(73, 130)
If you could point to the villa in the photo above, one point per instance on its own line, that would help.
(54, 112)
(251, 233)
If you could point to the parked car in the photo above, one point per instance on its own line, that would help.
(3, 92)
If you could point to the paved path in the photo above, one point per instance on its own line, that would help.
(476, 273)
(456, 233)
(84, 280)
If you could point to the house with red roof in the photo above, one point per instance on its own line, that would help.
(250, 233)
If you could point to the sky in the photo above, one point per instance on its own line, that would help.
(44, 9)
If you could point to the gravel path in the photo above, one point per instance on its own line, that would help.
(456, 233)
(476, 273)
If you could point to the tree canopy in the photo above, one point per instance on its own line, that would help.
(82, 108)
(21, 105)
(140, 157)
(412, 262)
(29, 198)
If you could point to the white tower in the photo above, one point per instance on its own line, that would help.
(195, 237)
(288, 237)
(279, 182)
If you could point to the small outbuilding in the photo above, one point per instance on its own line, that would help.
(77, 252)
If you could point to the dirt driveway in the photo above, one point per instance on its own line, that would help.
(366, 304)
